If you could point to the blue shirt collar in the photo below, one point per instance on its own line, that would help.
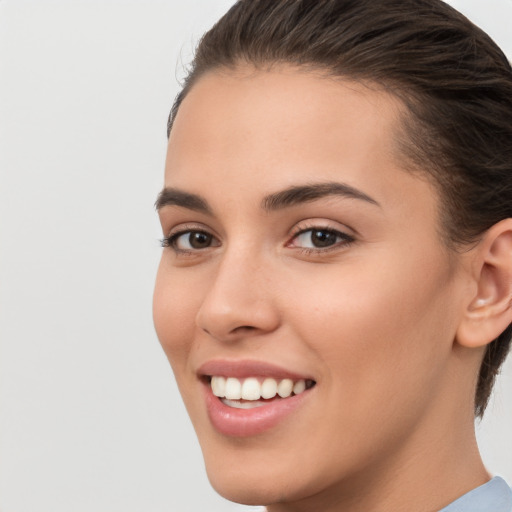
(494, 496)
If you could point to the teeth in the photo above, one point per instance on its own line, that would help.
(269, 388)
(299, 387)
(251, 389)
(242, 405)
(285, 388)
(219, 386)
(231, 388)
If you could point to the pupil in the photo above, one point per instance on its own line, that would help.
(199, 240)
(323, 238)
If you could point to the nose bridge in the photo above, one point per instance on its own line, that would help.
(239, 298)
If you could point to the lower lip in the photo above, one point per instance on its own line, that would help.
(249, 422)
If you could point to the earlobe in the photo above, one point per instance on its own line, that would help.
(489, 312)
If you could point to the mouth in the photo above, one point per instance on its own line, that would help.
(246, 399)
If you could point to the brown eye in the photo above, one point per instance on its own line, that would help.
(317, 239)
(199, 240)
(191, 241)
(323, 238)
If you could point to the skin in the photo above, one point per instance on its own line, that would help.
(379, 322)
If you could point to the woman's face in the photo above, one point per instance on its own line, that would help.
(300, 249)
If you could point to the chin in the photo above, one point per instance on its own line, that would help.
(244, 490)
(262, 471)
(254, 486)
(254, 471)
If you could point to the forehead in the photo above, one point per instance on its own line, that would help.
(263, 130)
(282, 106)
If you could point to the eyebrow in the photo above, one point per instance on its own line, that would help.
(305, 193)
(286, 198)
(176, 197)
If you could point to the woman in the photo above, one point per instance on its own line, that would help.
(335, 287)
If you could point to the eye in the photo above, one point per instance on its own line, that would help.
(320, 238)
(190, 240)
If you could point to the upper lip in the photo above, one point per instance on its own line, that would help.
(247, 368)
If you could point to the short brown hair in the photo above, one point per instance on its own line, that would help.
(454, 80)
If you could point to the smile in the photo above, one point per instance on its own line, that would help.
(246, 398)
(255, 390)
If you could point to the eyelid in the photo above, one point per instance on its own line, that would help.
(321, 225)
(188, 226)
(182, 229)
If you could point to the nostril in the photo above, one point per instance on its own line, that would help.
(227, 318)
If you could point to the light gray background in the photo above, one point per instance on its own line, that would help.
(91, 420)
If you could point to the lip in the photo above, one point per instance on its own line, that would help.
(234, 422)
(245, 368)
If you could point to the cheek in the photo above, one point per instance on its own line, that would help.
(381, 340)
(174, 310)
(380, 325)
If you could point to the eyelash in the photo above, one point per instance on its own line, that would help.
(172, 239)
(346, 239)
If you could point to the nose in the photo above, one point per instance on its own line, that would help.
(239, 302)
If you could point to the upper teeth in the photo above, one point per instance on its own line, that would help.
(251, 388)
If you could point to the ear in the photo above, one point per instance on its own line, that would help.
(489, 311)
